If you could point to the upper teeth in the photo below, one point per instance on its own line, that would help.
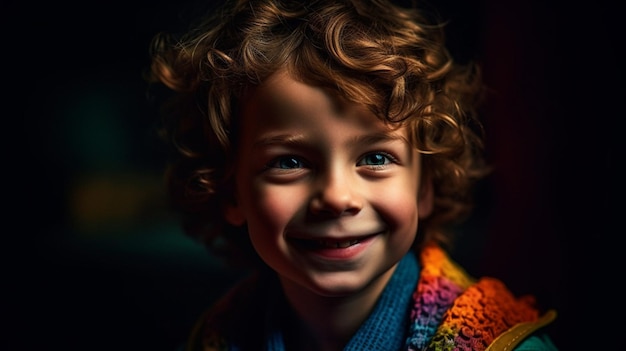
(338, 244)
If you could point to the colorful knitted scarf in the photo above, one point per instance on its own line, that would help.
(449, 311)
(452, 311)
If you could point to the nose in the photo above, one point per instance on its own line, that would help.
(336, 194)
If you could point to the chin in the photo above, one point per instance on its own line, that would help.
(341, 285)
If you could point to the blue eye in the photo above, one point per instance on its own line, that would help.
(375, 159)
(286, 163)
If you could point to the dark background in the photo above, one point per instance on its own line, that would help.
(93, 260)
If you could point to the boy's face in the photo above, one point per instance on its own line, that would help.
(330, 193)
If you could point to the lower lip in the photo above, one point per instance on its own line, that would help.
(341, 253)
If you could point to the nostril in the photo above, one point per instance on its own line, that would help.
(334, 206)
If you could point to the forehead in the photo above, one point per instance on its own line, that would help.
(282, 91)
(286, 101)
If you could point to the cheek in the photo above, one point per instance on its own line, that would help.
(398, 205)
(401, 214)
(270, 208)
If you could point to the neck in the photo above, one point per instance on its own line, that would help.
(328, 323)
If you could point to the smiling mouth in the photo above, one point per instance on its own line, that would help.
(313, 244)
(337, 244)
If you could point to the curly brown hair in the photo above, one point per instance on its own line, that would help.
(387, 57)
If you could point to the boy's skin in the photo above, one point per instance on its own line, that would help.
(312, 168)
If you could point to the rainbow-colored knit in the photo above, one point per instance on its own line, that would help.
(452, 311)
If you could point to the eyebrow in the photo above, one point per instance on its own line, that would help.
(299, 139)
(291, 139)
(376, 138)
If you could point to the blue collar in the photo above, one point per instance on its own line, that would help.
(386, 326)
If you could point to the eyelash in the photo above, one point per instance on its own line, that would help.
(275, 162)
(387, 159)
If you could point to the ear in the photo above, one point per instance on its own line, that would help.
(233, 214)
(425, 198)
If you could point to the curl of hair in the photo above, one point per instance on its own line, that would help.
(389, 58)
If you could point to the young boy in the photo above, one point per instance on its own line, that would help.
(328, 144)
